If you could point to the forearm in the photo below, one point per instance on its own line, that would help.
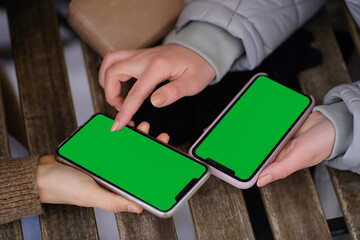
(261, 25)
(18, 192)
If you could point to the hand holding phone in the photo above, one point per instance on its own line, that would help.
(251, 130)
(150, 173)
(77, 188)
(310, 145)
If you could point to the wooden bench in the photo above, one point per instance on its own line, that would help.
(218, 209)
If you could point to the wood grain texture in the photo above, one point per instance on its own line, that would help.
(301, 200)
(219, 212)
(317, 82)
(131, 226)
(145, 226)
(46, 103)
(92, 63)
(293, 208)
(353, 28)
(347, 187)
(11, 231)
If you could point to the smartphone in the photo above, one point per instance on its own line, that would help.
(135, 165)
(251, 130)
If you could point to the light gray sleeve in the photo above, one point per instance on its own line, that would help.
(342, 107)
(354, 9)
(214, 44)
(262, 25)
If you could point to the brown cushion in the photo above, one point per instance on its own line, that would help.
(109, 25)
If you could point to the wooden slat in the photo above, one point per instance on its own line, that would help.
(92, 64)
(292, 204)
(353, 28)
(293, 208)
(347, 187)
(144, 226)
(219, 212)
(317, 82)
(46, 103)
(11, 230)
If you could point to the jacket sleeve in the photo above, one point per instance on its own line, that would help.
(354, 9)
(261, 25)
(18, 193)
(342, 107)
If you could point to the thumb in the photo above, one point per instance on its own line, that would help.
(273, 172)
(288, 161)
(308, 149)
(101, 198)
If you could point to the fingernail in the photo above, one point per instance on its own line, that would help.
(264, 180)
(158, 100)
(115, 125)
(132, 208)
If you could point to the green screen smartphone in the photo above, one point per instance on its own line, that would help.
(251, 130)
(146, 171)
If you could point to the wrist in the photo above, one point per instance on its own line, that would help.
(44, 168)
(204, 38)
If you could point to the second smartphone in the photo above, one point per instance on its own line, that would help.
(251, 130)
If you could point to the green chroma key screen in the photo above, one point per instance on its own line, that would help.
(131, 161)
(253, 126)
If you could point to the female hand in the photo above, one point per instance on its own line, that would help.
(187, 71)
(61, 184)
(310, 145)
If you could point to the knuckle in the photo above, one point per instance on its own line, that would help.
(160, 61)
(108, 56)
(115, 207)
(174, 91)
(109, 74)
(283, 171)
(296, 146)
(108, 98)
(135, 92)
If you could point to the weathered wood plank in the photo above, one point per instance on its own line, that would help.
(317, 82)
(353, 28)
(144, 226)
(11, 230)
(332, 71)
(92, 63)
(298, 213)
(219, 212)
(347, 187)
(293, 208)
(46, 103)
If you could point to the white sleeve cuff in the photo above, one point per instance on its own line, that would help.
(219, 48)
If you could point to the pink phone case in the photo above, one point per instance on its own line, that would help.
(251, 181)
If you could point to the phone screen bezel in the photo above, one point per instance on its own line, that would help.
(120, 190)
(223, 114)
